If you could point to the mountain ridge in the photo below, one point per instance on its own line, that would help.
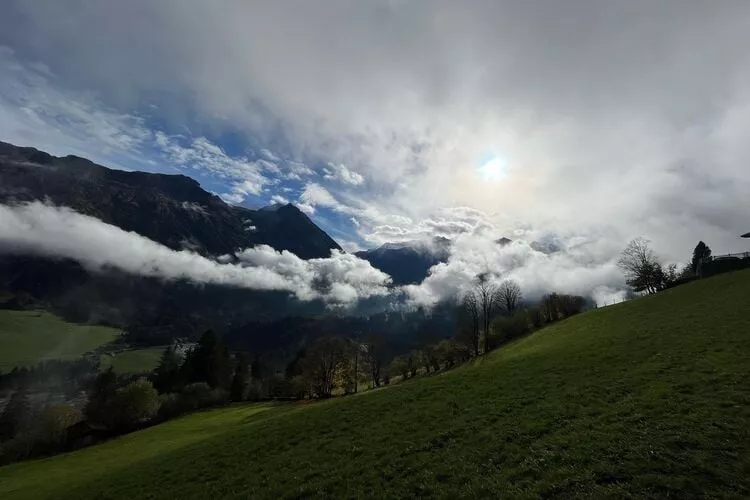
(173, 210)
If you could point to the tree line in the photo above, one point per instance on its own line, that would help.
(645, 273)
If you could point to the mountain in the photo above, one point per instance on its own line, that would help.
(170, 209)
(408, 262)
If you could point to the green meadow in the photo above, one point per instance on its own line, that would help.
(648, 398)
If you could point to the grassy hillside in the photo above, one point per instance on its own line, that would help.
(27, 337)
(646, 398)
(133, 360)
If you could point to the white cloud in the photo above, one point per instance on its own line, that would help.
(34, 112)
(268, 155)
(194, 207)
(306, 208)
(582, 268)
(340, 173)
(350, 246)
(278, 199)
(296, 170)
(233, 198)
(203, 155)
(36, 228)
(316, 195)
(611, 120)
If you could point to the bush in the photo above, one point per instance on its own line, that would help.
(46, 433)
(53, 422)
(400, 366)
(170, 406)
(134, 404)
(556, 306)
(536, 316)
(288, 388)
(195, 395)
(18, 448)
(505, 329)
(255, 391)
(451, 351)
(200, 395)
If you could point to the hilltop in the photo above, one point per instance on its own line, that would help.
(648, 398)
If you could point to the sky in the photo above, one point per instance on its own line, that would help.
(580, 123)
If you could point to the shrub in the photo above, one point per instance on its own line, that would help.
(536, 316)
(18, 448)
(134, 404)
(200, 395)
(53, 422)
(255, 391)
(504, 329)
(451, 351)
(400, 365)
(45, 433)
(196, 395)
(295, 387)
(170, 406)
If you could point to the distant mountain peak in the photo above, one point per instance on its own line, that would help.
(273, 208)
(504, 241)
(408, 261)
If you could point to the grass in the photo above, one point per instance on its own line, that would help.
(133, 360)
(648, 398)
(131, 449)
(27, 337)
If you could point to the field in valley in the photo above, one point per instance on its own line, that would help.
(139, 360)
(27, 337)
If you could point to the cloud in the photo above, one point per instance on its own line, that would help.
(316, 195)
(340, 173)
(581, 267)
(446, 223)
(34, 111)
(59, 232)
(306, 208)
(611, 120)
(297, 170)
(268, 155)
(278, 199)
(203, 155)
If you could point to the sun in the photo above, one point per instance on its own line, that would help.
(493, 168)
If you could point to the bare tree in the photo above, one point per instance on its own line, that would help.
(641, 268)
(509, 295)
(488, 299)
(471, 310)
(374, 350)
(321, 364)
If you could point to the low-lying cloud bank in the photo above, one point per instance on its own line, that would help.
(580, 266)
(40, 229)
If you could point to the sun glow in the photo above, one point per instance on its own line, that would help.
(493, 168)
